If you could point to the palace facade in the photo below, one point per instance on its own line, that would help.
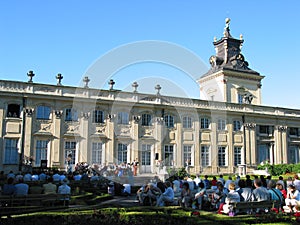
(226, 130)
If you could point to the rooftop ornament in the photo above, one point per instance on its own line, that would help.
(86, 81)
(111, 84)
(59, 77)
(158, 88)
(30, 74)
(135, 86)
(227, 29)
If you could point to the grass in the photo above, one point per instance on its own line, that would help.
(142, 215)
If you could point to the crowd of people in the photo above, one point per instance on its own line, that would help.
(218, 193)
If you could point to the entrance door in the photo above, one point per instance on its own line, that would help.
(145, 166)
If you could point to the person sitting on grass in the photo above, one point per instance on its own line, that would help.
(186, 196)
(232, 196)
(167, 196)
(200, 195)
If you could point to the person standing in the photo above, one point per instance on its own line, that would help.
(135, 166)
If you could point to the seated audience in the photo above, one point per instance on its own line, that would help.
(9, 188)
(185, 198)
(21, 188)
(49, 187)
(232, 197)
(167, 196)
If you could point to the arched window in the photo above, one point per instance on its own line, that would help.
(169, 120)
(146, 119)
(43, 112)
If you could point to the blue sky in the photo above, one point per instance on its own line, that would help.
(68, 37)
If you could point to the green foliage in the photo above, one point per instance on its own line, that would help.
(179, 172)
(281, 169)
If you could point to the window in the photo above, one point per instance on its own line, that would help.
(146, 154)
(11, 151)
(222, 156)
(205, 156)
(98, 116)
(263, 153)
(169, 120)
(204, 123)
(122, 153)
(123, 118)
(146, 119)
(237, 156)
(13, 110)
(187, 154)
(240, 98)
(97, 152)
(294, 154)
(169, 150)
(41, 150)
(43, 112)
(266, 130)
(293, 131)
(221, 124)
(71, 115)
(187, 122)
(70, 150)
(237, 125)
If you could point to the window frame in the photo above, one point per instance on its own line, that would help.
(71, 115)
(222, 156)
(169, 120)
(44, 115)
(187, 122)
(146, 119)
(205, 156)
(11, 150)
(204, 123)
(123, 118)
(98, 116)
(221, 126)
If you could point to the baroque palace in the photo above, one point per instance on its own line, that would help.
(224, 132)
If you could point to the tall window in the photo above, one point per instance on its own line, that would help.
(240, 98)
(237, 155)
(169, 157)
(237, 125)
(11, 151)
(204, 123)
(97, 152)
(187, 122)
(98, 116)
(70, 150)
(41, 150)
(169, 120)
(205, 156)
(146, 154)
(263, 153)
(221, 124)
(43, 112)
(71, 115)
(122, 153)
(123, 118)
(187, 154)
(146, 119)
(13, 110)
(294, 154)
(222, 156)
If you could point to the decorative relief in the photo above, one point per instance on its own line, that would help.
(147, 131)
(71, 127)
(123, 130)
(58, 113)
(282, 128)
(250, 125)
(29, 111)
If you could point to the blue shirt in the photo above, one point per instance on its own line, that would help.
(169, 193)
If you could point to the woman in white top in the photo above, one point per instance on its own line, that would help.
(232, 196)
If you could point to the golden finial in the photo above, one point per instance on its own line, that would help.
(241, 37)
(227, 21)
(215, 39)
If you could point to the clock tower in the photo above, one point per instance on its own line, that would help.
(230, 79)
